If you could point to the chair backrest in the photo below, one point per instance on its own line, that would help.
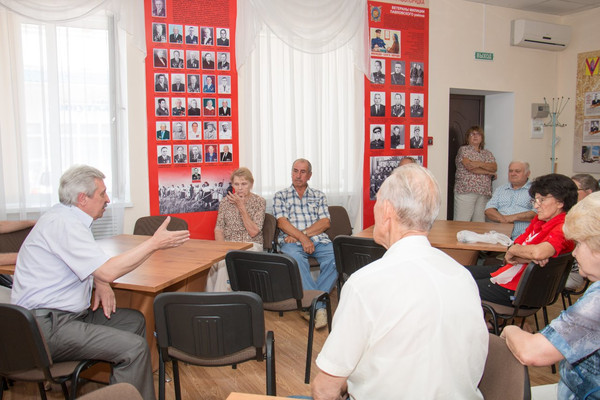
(268, 231)
(148, 225)
(11, 242)
(203, 326)
(274, 277)
(340, 222)
(352, 253)
(541, 286)
(121, 390)
(565, 277)
(504, 377)
(22, 346)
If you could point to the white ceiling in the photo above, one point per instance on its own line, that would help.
(555, 7)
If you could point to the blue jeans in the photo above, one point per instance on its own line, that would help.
(324, 255)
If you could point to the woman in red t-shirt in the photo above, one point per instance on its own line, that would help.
(552, 196)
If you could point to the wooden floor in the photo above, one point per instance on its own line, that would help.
(290, 343)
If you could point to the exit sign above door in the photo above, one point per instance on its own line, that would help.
(482, 55)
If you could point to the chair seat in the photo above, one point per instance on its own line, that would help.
(57, 370)
(290, 304)
(503, 310)
(249, 353)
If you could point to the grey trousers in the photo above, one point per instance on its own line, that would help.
(119, 340)
(470, 207)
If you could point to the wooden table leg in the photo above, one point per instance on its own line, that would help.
(464, 257)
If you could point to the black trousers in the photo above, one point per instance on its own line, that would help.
(489, 291)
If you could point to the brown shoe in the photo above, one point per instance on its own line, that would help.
(321, 318)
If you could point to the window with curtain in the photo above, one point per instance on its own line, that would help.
(62, 109)
(301, 96)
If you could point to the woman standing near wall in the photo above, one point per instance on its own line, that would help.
(475, 167)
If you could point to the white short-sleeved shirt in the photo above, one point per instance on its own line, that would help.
(408, 326)
(55, 263)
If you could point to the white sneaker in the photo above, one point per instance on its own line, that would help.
(321, 318)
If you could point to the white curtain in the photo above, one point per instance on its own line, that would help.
(52, 112)
(128, 13)
(301, 68)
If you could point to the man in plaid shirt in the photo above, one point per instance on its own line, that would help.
(303, 217)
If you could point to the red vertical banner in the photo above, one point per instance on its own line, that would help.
(395, 93)
(192, 108)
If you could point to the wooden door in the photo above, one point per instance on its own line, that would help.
(465, 111)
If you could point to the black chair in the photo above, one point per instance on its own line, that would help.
(340, 225)
(567, 293)
(503, 376)
(148, 225)
(340, 222)
(538, 287)
(276, 279)
(269, 229)
(24, 355)
(352, 253)
(559, 290)
(11, 242)
(211, 330)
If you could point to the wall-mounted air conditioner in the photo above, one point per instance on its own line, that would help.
(539, 35)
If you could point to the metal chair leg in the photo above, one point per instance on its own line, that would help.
(161, 376)
(309, 345)
(177, 382)
(42, 390)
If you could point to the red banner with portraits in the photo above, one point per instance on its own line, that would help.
(192, 111)
(395, 93)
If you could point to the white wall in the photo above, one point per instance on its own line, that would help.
(456, 32)
(138, 137)
(498, 128)
(584, 38)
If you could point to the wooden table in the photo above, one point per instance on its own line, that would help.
(181, 269)
(443, 237)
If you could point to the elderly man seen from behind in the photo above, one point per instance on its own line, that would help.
(60, 261)
(393, 338)
(511, 202)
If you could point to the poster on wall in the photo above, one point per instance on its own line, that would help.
(586, 156)
(395, 92)
(192, 111)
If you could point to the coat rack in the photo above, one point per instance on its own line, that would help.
(558, 105)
